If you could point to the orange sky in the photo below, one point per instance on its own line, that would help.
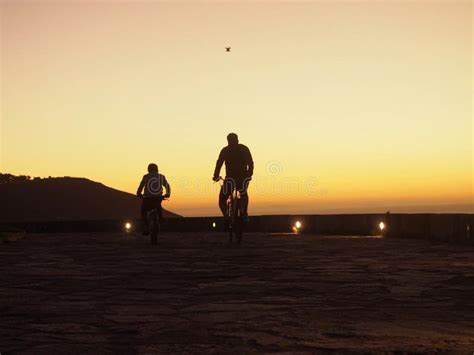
(346, 106)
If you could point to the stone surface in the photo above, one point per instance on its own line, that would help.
(195, 293)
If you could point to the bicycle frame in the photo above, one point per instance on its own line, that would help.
(234, 213)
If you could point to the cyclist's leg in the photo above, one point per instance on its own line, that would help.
(159, 208)
(224, 193)
(146, 207)
(244, 196)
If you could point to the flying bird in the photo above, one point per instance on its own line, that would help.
(227, 49)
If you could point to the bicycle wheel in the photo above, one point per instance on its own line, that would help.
(229, 214)
(155, 227)
(238, 223)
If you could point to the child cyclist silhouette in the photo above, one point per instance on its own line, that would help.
(152, 184)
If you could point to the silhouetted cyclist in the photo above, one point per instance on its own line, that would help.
(153, 183)
(239, 170)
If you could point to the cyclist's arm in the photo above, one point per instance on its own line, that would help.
(167, 187)
(140, 188)
(219, 163)
(249, 163)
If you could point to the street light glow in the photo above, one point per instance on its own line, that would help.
(296, 227)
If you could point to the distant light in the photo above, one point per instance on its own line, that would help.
(296, 227)
(213, 224)
(382, 226)
(128, 226)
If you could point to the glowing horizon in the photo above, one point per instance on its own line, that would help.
(345, 106)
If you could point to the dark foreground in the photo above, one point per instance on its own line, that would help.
(109, 293)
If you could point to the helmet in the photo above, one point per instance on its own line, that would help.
(232, 138)
(152, 168)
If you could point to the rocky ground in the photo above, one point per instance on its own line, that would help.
(195, 293)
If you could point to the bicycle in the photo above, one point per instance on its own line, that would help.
(153, 218)
(234, 214)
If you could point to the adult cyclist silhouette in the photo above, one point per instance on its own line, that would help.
(152, 184)
(239, 170)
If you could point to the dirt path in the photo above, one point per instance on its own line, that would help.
(108, 293)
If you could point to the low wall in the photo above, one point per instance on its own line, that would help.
(443, 227)
(455, 228)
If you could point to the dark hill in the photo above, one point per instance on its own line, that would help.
(28, 200)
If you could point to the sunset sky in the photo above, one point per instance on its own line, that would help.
(347, 106)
